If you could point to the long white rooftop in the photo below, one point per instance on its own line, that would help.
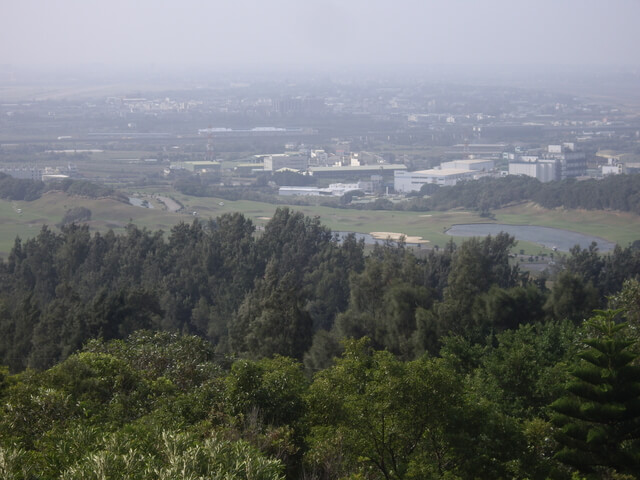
(444, 171)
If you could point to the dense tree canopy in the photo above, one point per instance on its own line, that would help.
(258, 295)
(615, 192)
(216, 350)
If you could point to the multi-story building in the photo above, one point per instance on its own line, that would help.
(557, 163)
(570, 162)
(28, 173)
(612, 167)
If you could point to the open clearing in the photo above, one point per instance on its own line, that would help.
(619, 227)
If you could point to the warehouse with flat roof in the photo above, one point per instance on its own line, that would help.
(405, 182)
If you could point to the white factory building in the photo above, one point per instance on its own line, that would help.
(545, 170)
(448, 174)
(478, 165)
(404, 182)
(275, 162)
(334, 189)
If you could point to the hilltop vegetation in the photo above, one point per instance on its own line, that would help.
(614, 192)
(23, 189)
(310, 360)
(294, 290)
(214, 351)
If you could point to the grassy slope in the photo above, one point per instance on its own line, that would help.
(106, 214)
(620, 227)
(615, 226)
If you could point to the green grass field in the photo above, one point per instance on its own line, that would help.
(26, 218)
(49, 210)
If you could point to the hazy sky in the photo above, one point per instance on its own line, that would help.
(322, 33)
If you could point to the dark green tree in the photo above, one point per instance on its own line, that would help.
(572, 298)
(271, 319)
(599, 417)
(500, 309)
(373, 415)
(477, 265)
(325, 347)
(292, 240)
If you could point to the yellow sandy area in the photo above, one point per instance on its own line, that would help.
(426, 215)
(396, 236)
(264, 218)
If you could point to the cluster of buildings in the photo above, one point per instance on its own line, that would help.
(298, 105)
(144, 105)
(619, 163)
(365, 171)
(352, 166)
(304, 159)
(197, 166)
(42, 173)
(370, 173)
(557, 162)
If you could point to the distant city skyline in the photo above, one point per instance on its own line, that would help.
(322, 34)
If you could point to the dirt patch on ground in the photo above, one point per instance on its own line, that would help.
(396, 236)
(170, 203)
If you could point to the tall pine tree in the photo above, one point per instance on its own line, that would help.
(599, 417)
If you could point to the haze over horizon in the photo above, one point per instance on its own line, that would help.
(328, 34)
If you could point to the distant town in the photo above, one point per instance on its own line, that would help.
(377, 138)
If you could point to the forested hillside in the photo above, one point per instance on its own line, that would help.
(24, 189)
(292, 354)
(614, 192)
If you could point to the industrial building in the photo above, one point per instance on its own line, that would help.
(28, 173)
(334, 189)
(413, 181)
(41, 173)
(570, 162)
(484, 149)
(358, 170)
(543, 170)
(275, 162)
(478, 165)
(202, 166)
(557, 163)
(612, 167)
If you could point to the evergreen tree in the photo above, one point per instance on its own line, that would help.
(271, 319)
(572, 298)
(599, 417)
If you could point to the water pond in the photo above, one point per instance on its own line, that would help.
(562, 240)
